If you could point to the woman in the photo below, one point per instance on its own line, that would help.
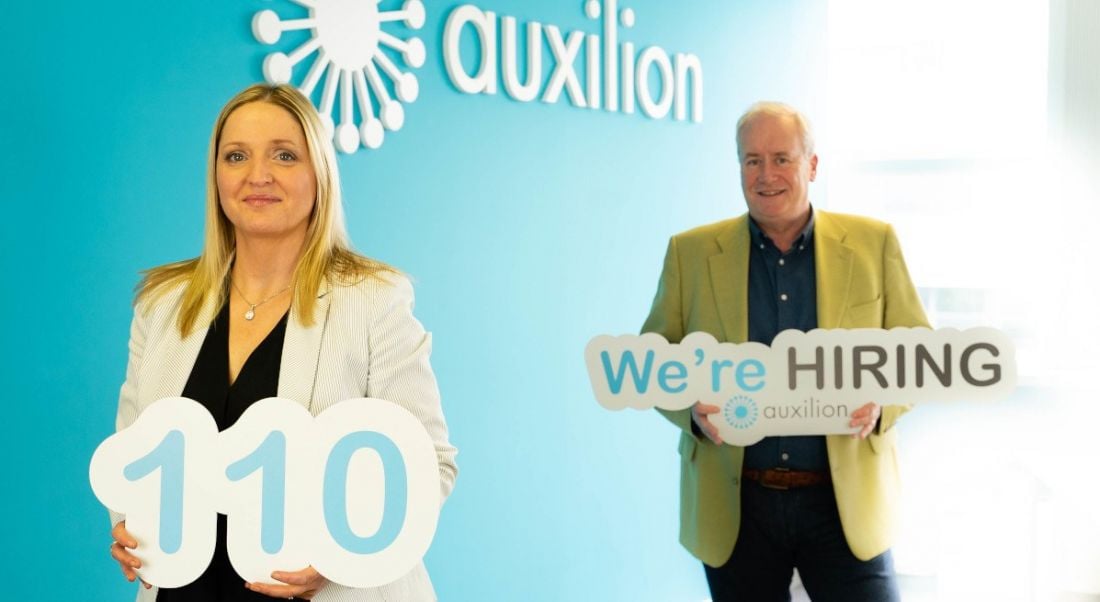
(277, 305)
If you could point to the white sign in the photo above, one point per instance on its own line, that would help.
(353, 492)
(805, 383)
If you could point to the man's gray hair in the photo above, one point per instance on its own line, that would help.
(778, 109)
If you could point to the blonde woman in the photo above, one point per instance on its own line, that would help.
(277, 304)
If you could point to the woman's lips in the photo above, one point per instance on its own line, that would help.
(259, 200)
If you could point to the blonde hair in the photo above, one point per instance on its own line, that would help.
(326, 253)
(778, 109)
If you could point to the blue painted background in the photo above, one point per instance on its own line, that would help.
(527, 227)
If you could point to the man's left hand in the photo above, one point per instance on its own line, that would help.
(866, 417)
(303, 584)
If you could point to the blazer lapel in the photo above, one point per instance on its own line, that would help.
(833, 262)
(729, 278)
(301, 350)
(181, 353)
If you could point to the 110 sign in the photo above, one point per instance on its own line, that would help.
(354, 491)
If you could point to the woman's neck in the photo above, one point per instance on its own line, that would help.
(264, 266)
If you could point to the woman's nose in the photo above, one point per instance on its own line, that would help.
(261, 173)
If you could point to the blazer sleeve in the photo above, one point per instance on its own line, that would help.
(902, 307)
(127, 396)
(399, 371)
(666, 318)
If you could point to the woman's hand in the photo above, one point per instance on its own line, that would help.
(123, 542)
(302, 584)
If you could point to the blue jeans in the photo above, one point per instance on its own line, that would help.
(797, 528)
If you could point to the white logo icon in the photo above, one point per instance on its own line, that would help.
(347, 38)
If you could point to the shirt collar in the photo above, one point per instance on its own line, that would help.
(758, 237)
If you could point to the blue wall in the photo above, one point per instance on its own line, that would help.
(527, 227)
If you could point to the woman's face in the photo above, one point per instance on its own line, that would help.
(266, 183)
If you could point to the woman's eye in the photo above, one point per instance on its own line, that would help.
(234, 156)
(285, 156)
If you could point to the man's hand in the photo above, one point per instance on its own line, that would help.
(866, 417)
(699, 413)
(302, 584)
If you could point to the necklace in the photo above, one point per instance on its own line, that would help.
(251, 313)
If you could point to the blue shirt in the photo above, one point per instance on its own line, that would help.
(783, 295)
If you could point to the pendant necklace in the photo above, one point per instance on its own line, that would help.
(251, 313)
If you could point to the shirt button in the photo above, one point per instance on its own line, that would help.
(761, 245)
(800, 247)
(783, 297)
(785, 456)
(781, 262)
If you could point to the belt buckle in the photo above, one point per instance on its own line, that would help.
(776, 478)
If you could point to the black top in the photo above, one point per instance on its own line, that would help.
(209, 385)
(258, 378)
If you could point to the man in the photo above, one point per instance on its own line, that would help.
(823, 505)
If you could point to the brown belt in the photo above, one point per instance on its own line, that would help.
(781, 478)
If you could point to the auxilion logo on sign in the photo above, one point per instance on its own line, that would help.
(352, 57)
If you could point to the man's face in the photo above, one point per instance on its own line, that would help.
(775, 171)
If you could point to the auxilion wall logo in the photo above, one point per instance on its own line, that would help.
(349, 51)
(347, 40)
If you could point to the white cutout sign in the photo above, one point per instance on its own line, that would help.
(805, 383)
(354, 492)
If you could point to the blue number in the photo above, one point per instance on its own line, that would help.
(168, 457)
(335, 492)
(270, 456)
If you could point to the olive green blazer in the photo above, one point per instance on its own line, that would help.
(862, 282)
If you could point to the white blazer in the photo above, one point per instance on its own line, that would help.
(364, 342)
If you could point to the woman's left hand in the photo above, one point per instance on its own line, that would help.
(303, 584)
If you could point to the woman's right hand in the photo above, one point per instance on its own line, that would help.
(120, 551)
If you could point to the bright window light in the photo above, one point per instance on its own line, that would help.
(938, 120)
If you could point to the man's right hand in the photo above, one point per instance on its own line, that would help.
(120, 551)
(699, 413)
